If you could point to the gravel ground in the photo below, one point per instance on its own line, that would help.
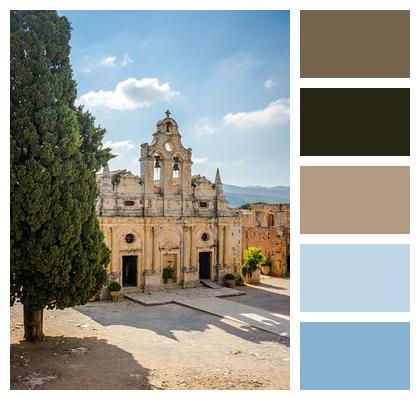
(125, 345)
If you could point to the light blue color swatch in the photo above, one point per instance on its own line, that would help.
(355, 355)
(360, 277)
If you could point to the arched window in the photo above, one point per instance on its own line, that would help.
(168, 127)
(175, 167)
(270, 220)
(157, 167)
(257, 218)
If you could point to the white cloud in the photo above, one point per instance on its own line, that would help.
(126, 60)
(108, 61)
(269, 83)
(122, 145)
(204, 127)
(276, 112)
(200, 160)
(239, 63)
(129, 95)
(88, 64)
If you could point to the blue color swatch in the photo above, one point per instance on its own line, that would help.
(371, 277)
(355, 355)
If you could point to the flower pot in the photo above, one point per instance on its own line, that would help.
(230, 283)
(115, 295)
(254, 278)
(265, 269)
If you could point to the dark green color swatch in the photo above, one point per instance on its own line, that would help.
(355, 122)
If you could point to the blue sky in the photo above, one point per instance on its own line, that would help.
(224, 75)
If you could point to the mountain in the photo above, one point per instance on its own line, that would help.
(238, 195)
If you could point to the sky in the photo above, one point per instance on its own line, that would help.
(224, 75)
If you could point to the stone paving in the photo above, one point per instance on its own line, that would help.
(173, 295)
(207, 300)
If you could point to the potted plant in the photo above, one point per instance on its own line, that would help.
(250, 271)
(230, 280)
(115, 289)
(168, 274)
(266, 267)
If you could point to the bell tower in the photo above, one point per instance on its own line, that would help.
(165, 168)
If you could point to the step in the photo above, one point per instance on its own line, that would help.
(209, 283)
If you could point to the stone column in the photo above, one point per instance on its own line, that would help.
(192, 252)
(115, 257)
(221, 245)
(166, 177)
(224, 246)
(156, 254)
(187, 247)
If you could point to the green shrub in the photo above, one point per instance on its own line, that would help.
(114, 287)
(229, 277)
(253, 256)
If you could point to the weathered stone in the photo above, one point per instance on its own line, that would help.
(267, 226)
(166, 217)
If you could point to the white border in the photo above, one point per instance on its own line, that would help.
(296, 161)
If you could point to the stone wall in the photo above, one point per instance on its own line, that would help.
(160, 242)
(267, 226)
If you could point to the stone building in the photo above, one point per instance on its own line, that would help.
(267, 226)
(167, 218)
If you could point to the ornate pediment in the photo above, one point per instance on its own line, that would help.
(170, 245)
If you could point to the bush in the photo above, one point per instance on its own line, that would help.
(114, 287)
(229, 277)
(253, 256)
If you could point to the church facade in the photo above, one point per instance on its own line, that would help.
(167, 226)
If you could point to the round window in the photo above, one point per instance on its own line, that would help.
(129, 238)
(168, 146)
(204, 237)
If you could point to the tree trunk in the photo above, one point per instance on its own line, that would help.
(33, 323)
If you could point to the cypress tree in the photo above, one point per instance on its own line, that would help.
(58, 255)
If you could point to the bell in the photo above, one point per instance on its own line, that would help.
(157, 162)
(176, 167)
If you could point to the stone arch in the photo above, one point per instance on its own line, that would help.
(120, 238)
(123, 251)
(169, 244)
(211, 231)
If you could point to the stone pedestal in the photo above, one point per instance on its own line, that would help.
(115, 277)
(152, 280)
(191, 277)
(254, 278)
(104, 294)
(221, 272)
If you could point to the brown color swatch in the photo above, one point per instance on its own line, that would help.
(355, 44)
(362, 200)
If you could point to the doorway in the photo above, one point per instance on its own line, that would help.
(129, 271)
(204, 262)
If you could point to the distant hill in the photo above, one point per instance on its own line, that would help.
(238, 195)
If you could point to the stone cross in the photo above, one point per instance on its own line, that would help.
(168, 113)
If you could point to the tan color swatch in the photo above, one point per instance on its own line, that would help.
(355, 44)
(358, 200)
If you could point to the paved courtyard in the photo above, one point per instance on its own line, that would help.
(126, 345)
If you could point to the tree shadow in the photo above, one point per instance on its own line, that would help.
(268, 286)
(166, 320)
(62, 362)
(256, 296)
